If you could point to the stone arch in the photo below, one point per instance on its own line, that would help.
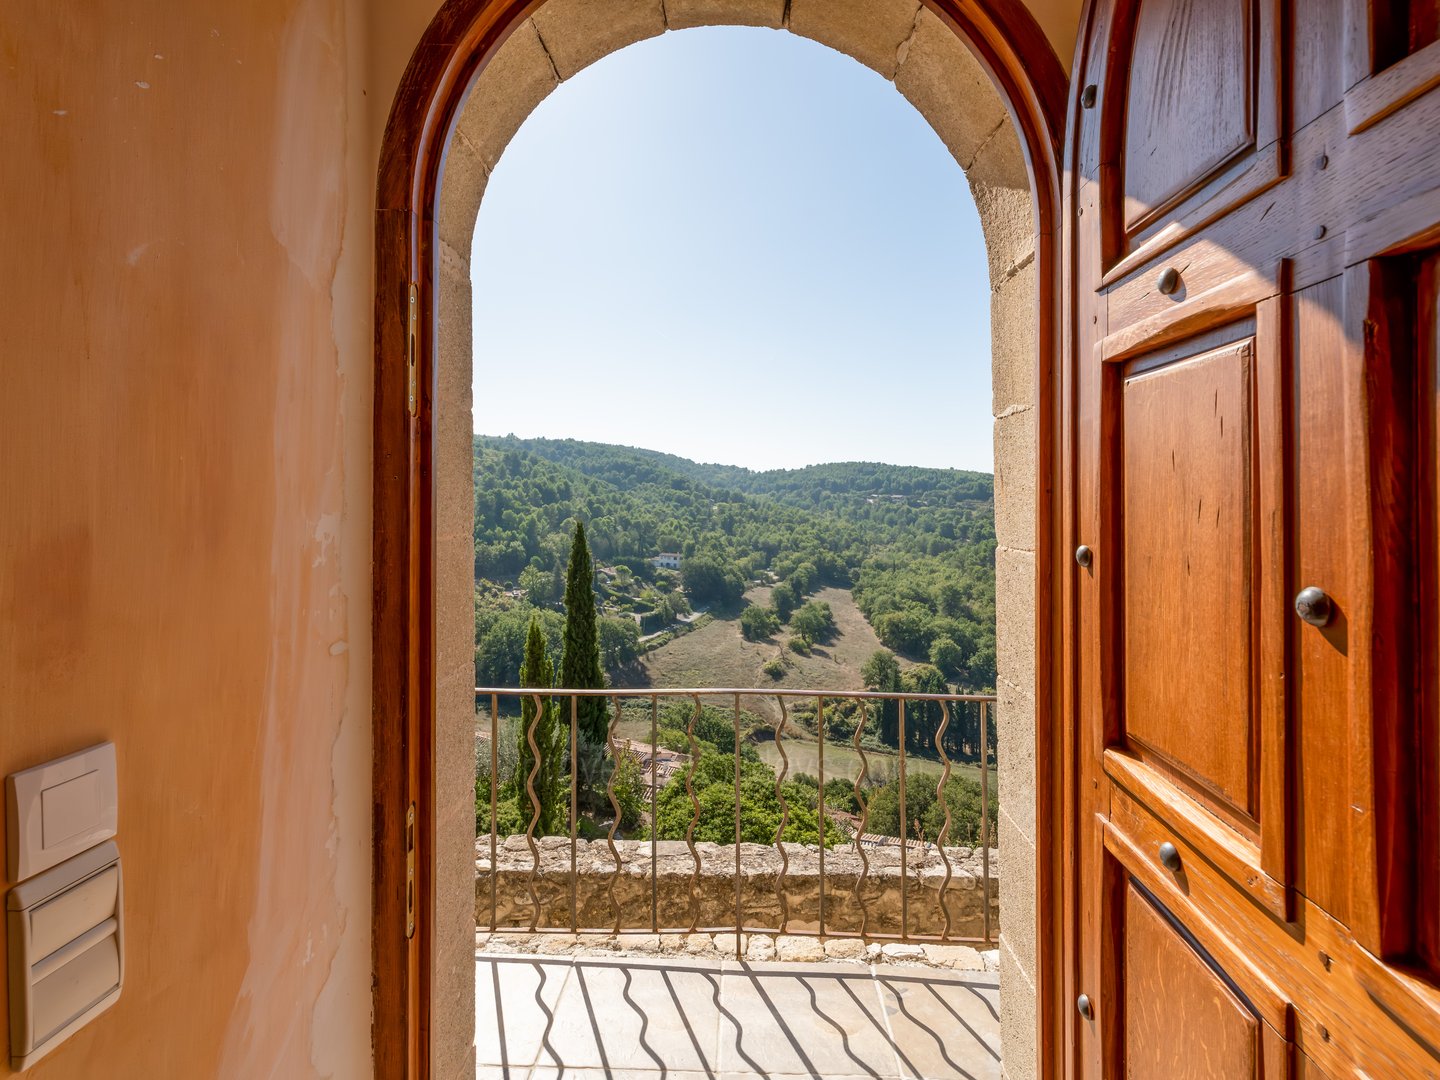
(1007, 151)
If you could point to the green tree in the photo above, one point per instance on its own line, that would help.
(922, 718)
(535, 583)
(758, 623)
(539, 768)
(882, 673)
(783, 600)
(710, 581)
(946, 655)
(814, 622)
(619, 643)
(580, 664)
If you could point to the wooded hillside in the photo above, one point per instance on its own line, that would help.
(917, 546)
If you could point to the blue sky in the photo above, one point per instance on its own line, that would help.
(738, 246)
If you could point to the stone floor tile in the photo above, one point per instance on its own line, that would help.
(803, 1020)
(682, 1017)
(628, 1016)
(509, 1025)
(943, 1024)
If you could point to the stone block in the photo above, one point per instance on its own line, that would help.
(1015, 628)
(761, 948)
(1018, 1018)
(1016, 457)
(680, 14)
(462, 186)
(871, 31)
(725, 944)
(999, 161)
(845, 949)
(455, 493)
(955, 957)
(576, 33)
(1015, 726)
(939, 75)
(518, 77)
(1007, 218)
(1014, 324)
(801, 950)
(1017, 892)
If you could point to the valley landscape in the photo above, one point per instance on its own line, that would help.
(843, 576)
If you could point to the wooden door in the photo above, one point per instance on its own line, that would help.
(1253, 222)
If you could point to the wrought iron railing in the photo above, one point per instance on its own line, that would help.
(917, 856)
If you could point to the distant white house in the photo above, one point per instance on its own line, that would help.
(667, 560)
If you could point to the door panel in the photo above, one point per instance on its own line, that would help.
(1196, 127)
(1255, 640)
(1321, 669)
(1167, 978)
(1192, 75)
(1187, 468)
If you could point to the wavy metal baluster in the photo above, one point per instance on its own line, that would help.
(945, 802)
(985, 817)
(864, 818)
(904, 832)
(739, 921)
(574, 816)
(654, 808)
(534, 815)
(615, 806)
(494, 798)
(820, 813)
(694, 818)
(784, 816)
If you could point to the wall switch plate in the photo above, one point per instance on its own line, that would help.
(59, 809)
(65, 947)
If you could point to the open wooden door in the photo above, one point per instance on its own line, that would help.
(1253, 217)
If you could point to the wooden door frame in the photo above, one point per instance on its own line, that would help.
(454, 48)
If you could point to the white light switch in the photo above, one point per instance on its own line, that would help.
(59, 809)
(65, 949)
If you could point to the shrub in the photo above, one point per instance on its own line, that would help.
(775, 668)
(799, 645)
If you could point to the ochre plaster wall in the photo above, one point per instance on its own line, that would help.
(185, 483)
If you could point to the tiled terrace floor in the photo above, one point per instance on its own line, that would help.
(685, 1019)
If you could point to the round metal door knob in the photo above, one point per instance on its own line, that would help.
(1082, 1003)
(1314, 606)
(1169, 281)
(1170, 857)
(1084, 556)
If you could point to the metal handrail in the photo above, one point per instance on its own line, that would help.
(628, 922)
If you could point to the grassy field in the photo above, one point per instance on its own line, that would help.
(718, 655)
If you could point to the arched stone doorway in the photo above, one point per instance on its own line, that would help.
(989, 87)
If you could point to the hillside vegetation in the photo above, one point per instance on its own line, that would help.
(913, 547)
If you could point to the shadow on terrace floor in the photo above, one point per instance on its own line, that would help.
(687, 1019)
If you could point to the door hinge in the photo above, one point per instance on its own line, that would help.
(410, 872)
(412, 323)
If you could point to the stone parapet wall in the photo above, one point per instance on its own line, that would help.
(877, 909)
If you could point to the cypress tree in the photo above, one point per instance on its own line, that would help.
(580, 666)
(541, 770)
